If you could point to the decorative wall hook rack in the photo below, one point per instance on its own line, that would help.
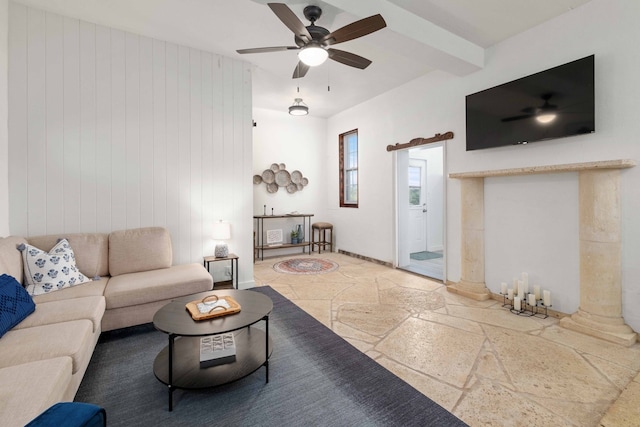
(415, 142)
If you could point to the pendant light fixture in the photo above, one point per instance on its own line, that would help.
(298, 108)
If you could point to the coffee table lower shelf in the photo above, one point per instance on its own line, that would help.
(187, 374)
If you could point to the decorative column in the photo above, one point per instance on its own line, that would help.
(600, 311)
(471, 282)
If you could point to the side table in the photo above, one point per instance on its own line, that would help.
(231, 257)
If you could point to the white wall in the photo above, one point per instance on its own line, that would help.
(369, 229)
(299, 143)
(4, 112)
(112, 130)
(435, 104)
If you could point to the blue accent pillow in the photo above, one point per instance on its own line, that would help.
(71, 414)
(15, 303)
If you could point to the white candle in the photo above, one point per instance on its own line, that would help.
(503, 288)
(516, 303)
(515, 285)
(532, 299)
(546, 296)
(525, 279)
(520, 289)
(525, 286)
(510, 294)
(536, 291)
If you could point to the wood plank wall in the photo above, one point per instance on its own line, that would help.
(110, 130)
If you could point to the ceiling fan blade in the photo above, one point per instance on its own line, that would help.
(355, 29)
(267, 49)
(348, 58)
(514, 118)
(300, 70)
(290, 19)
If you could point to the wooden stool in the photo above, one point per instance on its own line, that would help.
(322, 242)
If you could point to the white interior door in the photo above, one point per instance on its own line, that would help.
(417, 205)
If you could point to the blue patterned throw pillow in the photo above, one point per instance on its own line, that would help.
(15, 303)
(50, 271)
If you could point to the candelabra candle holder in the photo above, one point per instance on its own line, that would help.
(505, 298)
(522, 308)
(540, 304)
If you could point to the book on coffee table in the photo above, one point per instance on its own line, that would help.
(217, 350)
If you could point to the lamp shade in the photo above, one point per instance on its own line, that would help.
(221, 231)
(546, 118)
(313, 55)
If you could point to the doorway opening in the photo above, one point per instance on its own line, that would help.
(420, 210)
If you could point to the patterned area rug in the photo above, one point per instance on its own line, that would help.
(305, 266)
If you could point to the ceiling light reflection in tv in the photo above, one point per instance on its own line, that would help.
(554, 103)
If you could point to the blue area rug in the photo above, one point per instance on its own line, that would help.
(316, 378)
(425, 255)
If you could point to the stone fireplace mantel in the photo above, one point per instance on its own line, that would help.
(600, 311)
(536, 170)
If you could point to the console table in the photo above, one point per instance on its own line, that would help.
(260, 245)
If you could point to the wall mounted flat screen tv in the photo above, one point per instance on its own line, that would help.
(551, 104)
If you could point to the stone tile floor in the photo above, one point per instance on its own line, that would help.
(487, 366)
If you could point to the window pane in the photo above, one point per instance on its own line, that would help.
(352, 152)
(414, 196)
(414, 176)
(351, 186)
(415, 185)
(352, 160)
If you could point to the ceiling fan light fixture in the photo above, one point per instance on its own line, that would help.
(546, 118)
(313, 55)
(298, 108)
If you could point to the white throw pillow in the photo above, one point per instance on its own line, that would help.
(51, 271)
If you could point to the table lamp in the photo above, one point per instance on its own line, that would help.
(221, 232)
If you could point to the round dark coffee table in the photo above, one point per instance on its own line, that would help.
(178, 364)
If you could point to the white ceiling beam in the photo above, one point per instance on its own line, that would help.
(440, 48)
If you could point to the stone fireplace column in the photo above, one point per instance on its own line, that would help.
(600, 311)
(471, 282)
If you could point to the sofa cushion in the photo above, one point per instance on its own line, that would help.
(10, 258)
(92, 288)
(74, 339)
(150, 286)
(140, 249)
(91, 308)
(42, 383)
(15, 303)
(91, 250)
(51, 271)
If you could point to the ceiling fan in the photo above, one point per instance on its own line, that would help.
(544, 114)
(313, 41)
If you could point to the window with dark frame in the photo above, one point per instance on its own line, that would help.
(349, 169)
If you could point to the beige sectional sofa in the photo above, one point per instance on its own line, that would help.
(44, 357)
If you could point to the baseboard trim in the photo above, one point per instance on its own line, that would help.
(366, 258)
